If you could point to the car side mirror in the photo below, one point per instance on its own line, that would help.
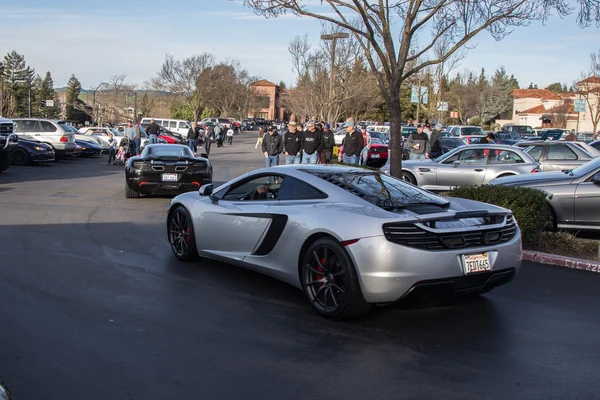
(206, 190)
(455, 163)
(596, 178)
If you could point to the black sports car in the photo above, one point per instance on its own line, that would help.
(88, 148)
(32, 151)
(166, 169)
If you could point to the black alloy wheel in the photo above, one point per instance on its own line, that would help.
(181, 234)
(20, 157)
(330, 282)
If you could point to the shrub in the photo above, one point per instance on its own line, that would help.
(474, 121)
(566, 244)
(528, 206)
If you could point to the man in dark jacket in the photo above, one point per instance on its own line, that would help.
(353, 144)
(311, 144)
(272, 145)
(328, 144)
(193, 137)
(435, 141)
(152, 130)
(292, 145)
(418, 143)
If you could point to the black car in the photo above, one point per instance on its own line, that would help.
(450, 143)
(508, 138)
(31, 151)
(8, 142)
(88, 148)
(166, 169)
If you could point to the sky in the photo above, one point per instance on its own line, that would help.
(96, 40)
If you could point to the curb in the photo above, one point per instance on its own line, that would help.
(561, 261)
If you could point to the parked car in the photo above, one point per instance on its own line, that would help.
(450, 143)
(89, 148)
(596, 145)
(165, 169)
(52, 132)
(179, 126)
(472, 139)
(521, 130)
(377, 155)
(8, 142)
(338, 234)
(556, 155)
(462, 131)
(573, 195)
(470, 165)
(30, 151)
(101, 134)
(385, 129)
(509, 138)
(379, 135)
(225, 122)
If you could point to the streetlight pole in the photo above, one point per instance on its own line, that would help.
(333, 37)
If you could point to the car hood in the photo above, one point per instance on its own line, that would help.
(540, 178)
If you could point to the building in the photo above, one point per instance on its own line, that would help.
(271, 94)
(546, 109)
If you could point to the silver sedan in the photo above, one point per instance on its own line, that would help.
(348, 237)
(468, 165)
(573, 195)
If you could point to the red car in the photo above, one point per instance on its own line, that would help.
(377, 155)
(169, 139)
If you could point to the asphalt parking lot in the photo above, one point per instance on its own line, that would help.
(94, 306)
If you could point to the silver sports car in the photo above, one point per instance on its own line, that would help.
(348, 237)
(470, 165)
(573, 195)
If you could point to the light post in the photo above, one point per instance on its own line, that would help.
(135, 105)
(333, 37)
(94, 98)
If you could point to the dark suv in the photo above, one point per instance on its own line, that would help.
(8, 142)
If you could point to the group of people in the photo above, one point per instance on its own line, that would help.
(199, 135)
(425, 142)
(309, 146)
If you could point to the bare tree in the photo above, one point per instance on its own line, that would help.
(429, 21)
(589, 88)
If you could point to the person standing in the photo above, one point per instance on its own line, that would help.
(131, 133)
(218, 135)
(328, 145)
(230, 133)
(364, 154)
(261, 135)
(193, 133)
(418, 143)
(208, 139)
(571, 137)
(272, 146)
(435, 141)
(112, 148)
(353, 144)
(292, 145)
(153, 131)
(138, 139)
(311, 144)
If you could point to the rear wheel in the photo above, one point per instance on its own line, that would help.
(180, 232)
(130, 193)
(4, 160)
(20, 157)
(330, 282)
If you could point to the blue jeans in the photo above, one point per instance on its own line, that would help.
(193, 143)
(364, 154)
(310, 158)
(138, 144)
(271, 161)
(352, 160)
(417, 156)
(292, 159)
(153, 138)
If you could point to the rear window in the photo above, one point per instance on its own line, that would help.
(379, 189)
(224, 121)
(472, 130)
(168, 151)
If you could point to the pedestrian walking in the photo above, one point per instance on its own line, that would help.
(328, 145)
(261, 135)
(153, 130)
(418, 143)
(435, 142)
(272, 146)
(311, 144)
(192, 136)
(353, 144)
(131, 133)
(230, 134)
(210, 134)
(112, 148)
(364, 154)
(292, 145)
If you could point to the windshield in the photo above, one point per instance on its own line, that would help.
(379, 189)
(377, 141)
(68, 128)
(157, 151)
(115, 132)
(472, 130)
(587, 168)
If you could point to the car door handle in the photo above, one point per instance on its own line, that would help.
(424, 170)
(478, 170)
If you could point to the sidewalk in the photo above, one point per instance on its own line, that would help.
(561, 261)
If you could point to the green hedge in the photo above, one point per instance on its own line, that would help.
(528, 206)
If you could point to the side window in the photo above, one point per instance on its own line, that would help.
(294, 189)
(561, 152)
(183, 125)
(47, 126)
(504, 157)
(473, 157)
(261, 188)
(30, 126)
(172, 124)
(163, 123)
(535, 152)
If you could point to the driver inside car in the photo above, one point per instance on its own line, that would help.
(261, 192)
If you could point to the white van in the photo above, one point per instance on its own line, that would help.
(174, 125)
(385, 129)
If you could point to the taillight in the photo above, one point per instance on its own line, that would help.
(64, 138)
(533, 171)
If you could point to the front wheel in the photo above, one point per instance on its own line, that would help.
(330, 282)
(180, 232)
(408, 177)
(20, 157)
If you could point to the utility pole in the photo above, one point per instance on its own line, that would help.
(333, 37)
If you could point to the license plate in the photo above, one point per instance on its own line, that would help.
(476, 263)
(169, 177)
(374, 155)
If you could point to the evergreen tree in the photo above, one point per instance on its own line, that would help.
(73, 104)
(514, 83)
(17, 77)
(48, 93)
